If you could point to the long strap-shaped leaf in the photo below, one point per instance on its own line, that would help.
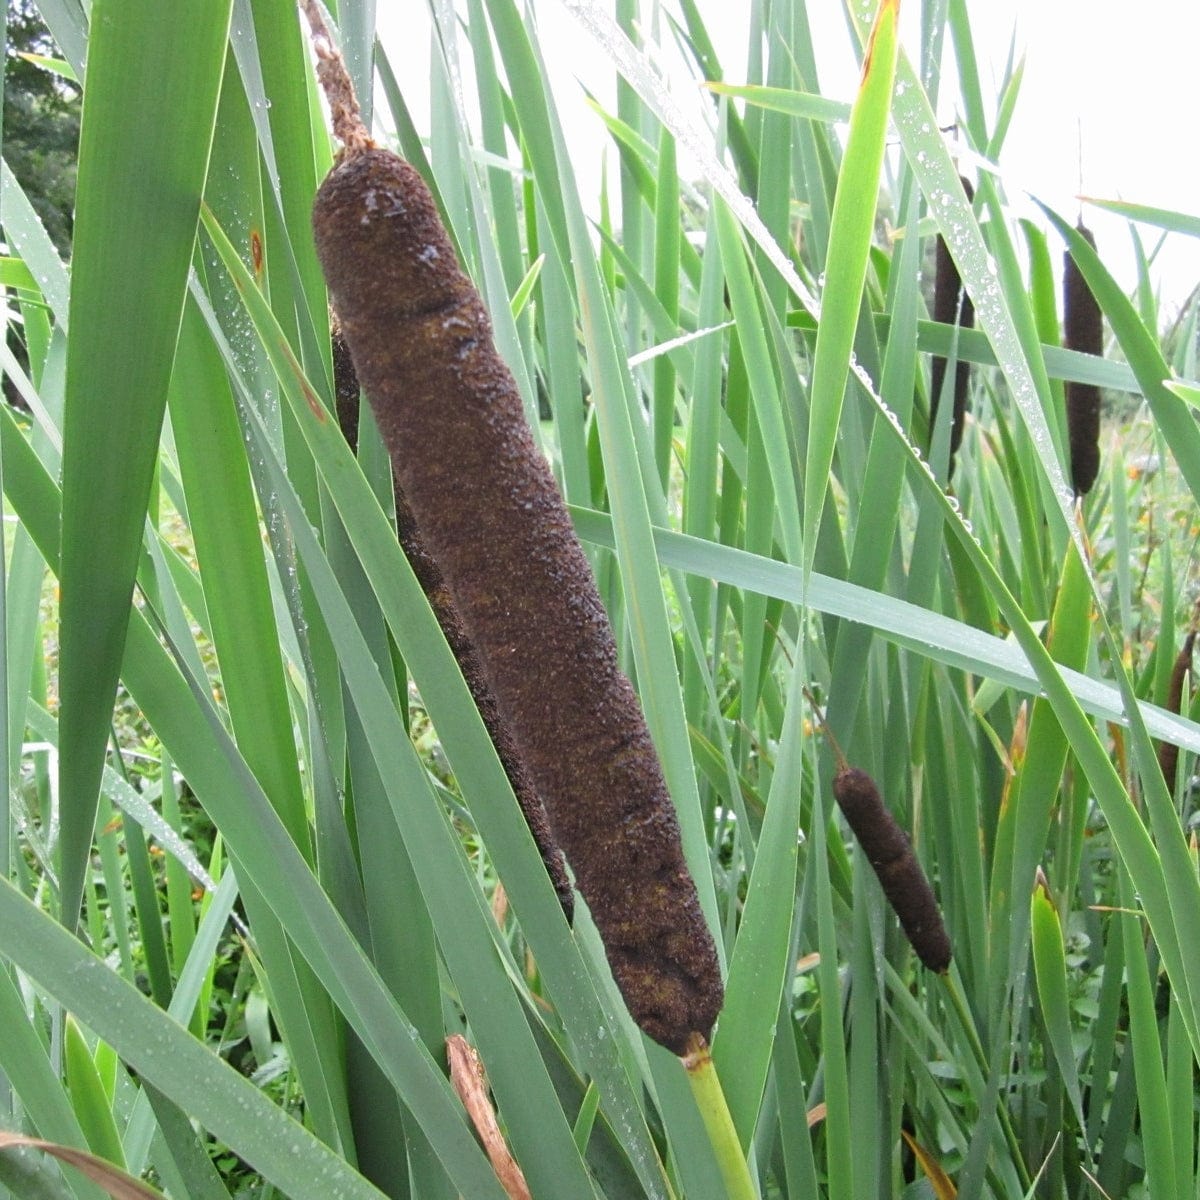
(846, 264)
(931, 634)
(211, 762)
(141, 176)
(165, 1054)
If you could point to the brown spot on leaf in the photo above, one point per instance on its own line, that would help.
(256, 255)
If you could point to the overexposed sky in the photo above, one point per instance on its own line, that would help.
(1123, 78)
(1116, 82)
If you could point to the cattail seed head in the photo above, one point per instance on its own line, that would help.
(437, 593)
(491, 515)
(890, 854)
(952, 305)
(1168, 752)
(1083, 330)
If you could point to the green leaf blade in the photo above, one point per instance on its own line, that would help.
(846, 263)
(140, 181)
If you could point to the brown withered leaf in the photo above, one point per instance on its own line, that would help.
(100, 1171)
(467, 1078)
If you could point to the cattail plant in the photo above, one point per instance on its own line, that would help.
(1168, 752)
(1083, 330)
(890, 853)
(951, 306)
(492, 517)
(429, 576)
(891, 856)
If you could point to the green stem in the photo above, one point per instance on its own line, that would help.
(710, 1099)
(959, 1004)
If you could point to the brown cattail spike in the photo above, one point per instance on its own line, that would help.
(1083, 330)
(888, 851)
(951, 306)
(495, 523)
(438, 595)
(1168, 752)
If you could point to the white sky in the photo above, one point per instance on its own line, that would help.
(1117, 81)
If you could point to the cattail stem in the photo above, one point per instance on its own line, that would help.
(714, 1111)
(967, 1021)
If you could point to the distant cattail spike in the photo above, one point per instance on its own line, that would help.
(1083, 330)
(1168, 752)
(888, 850)
(951, 306)
(430, 578)
(491, 514)
(889, 853)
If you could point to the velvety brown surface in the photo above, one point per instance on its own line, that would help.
(888, 850)
(1168, 752)
(951, 306)
(1083, 330)
(492, 517)
(430, 578)
(345, 389)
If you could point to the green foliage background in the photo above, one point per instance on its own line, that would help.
(41, 123)
(242, 912)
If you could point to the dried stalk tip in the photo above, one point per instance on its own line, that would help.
(951, 306)
(888, 851)
(1083, 330)
(492, 517)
